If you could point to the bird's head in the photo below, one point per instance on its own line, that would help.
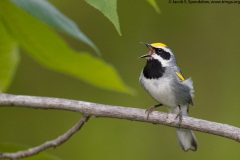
(160, 52)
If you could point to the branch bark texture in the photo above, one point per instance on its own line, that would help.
(119, 112)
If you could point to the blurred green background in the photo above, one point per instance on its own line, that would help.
(205, 40)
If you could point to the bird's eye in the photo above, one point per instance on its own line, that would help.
(164, 54)
(160, 50)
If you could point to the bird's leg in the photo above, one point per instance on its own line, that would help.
(179, 115)
(151, 109)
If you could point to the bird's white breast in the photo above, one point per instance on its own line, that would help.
(160, 89)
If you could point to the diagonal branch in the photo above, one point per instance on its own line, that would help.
(135, 114)
(52, 143)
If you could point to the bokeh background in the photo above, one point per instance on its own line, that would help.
(206, 41)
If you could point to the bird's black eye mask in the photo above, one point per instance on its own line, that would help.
(165, 55)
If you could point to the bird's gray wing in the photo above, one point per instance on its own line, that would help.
(178, 73)
(183, 87)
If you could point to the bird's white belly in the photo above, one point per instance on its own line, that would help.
(160, 90)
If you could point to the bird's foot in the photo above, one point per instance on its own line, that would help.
(151, 109)
(180, 116)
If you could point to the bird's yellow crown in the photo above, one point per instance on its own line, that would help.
(158, 45)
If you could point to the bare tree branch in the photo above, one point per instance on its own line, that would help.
(135, 114)
(52, 143)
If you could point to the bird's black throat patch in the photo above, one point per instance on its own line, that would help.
(153, 69)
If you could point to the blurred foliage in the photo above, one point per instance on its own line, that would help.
(205, 40)
(109, 9)
(50, 50)
(153, 3)
(9, 58)
(44, 11)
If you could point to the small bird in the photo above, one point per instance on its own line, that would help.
(163, 80)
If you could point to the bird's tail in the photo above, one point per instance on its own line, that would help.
(186, 138)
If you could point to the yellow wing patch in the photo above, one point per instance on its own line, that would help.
(180, 76)
(158, 45)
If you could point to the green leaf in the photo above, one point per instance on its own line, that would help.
(50, 50)
(9, 57)
(109, 9)
(7, 147)
(49, 14)
(153, 3)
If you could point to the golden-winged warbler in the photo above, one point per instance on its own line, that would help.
(163, 80)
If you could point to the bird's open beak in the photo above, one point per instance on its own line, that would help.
(151, 50)
(144, 56)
